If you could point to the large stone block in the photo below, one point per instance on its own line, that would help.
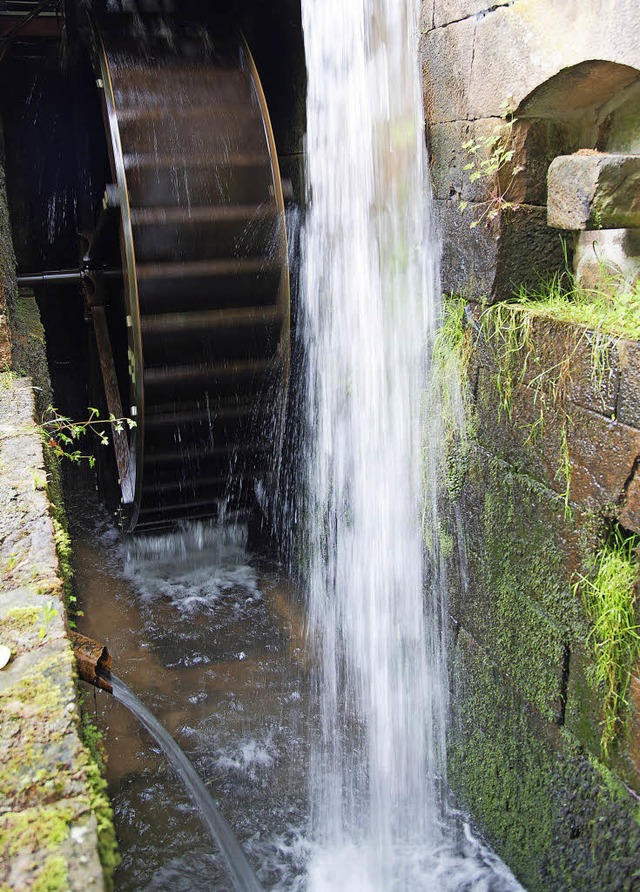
(602, 453)
(520, 46)
(447, 54)
(426, 15)
(594, 191)
(455, 10)
(448, 159)
(556, 359)
(521, 431)
(489, 261)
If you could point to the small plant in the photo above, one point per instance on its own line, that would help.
(490, 158)
(61, 433)
(609, 597)
(49, 611)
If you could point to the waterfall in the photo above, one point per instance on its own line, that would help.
(369, 302)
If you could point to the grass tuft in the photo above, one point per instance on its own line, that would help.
(609, 597)
(613, 307)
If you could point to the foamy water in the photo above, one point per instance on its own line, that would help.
(222, 678)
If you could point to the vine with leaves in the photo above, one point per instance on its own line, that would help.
(491, 158)
(62, 433)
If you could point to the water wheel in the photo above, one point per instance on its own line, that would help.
(193, 338)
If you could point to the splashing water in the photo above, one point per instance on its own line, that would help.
(370, 284)
(237, 866)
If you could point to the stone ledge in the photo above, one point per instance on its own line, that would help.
(594, 191)
(48, 832)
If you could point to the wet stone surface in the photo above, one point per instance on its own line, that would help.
(48, 833)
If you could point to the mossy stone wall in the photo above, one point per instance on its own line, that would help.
(525, 744)
(553, 464)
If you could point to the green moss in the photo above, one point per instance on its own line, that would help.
(610, 601)
(498, 767)
(31, 723)
(35, 829)
(519, 601)
(54, 876)
(452, 353)
(558, 819)
(100, 804)
(20, 619)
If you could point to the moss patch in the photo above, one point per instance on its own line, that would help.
(100, 803)
(561, 821)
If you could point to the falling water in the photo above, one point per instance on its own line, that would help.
(370, 284)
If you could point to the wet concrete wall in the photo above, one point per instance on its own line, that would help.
(54, 816)
(543, 486)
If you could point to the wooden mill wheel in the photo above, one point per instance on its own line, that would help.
(194, 339)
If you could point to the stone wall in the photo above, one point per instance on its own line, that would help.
(569, 72)
(55, 821)
(547, 475)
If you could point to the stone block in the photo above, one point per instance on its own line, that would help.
(602, 453)
(447, 54)
(594, 191)
(524, 433)
(448, 159)
(426, 15)
(468, 255)
(558, 360)
(629, 395)
(488, 262)
(522, 45)
(51, 847)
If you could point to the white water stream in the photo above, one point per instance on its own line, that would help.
(370, 285)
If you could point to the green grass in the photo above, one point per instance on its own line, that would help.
(612, 308)
(609, 597)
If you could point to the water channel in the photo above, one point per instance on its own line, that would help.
(210, 636)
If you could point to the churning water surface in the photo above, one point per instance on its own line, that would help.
(210, 637)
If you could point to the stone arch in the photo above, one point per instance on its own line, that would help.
(593, 106)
